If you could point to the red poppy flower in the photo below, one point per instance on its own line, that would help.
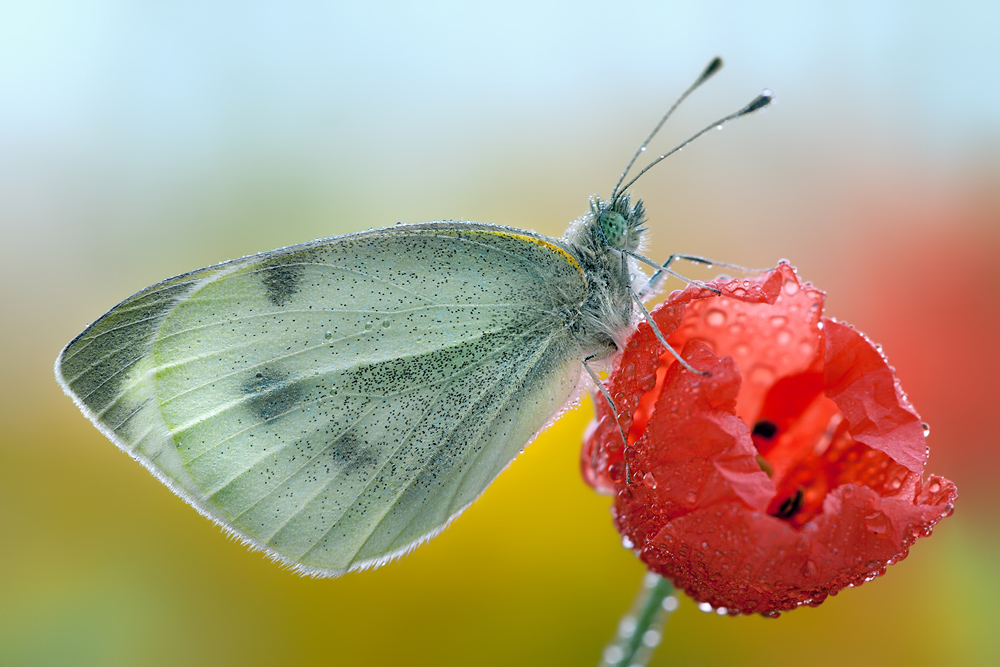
(790, 472)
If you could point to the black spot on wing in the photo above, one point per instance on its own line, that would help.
(271, 393)
(350, 453)
(281, 282)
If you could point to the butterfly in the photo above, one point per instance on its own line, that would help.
(337, 403)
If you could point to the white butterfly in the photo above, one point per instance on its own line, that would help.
(339, 402)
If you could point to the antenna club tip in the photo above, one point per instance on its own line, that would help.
(759, 102)
(714, 66)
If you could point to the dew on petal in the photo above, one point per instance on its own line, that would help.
(764, 504)
(716, 317)
(762, 374)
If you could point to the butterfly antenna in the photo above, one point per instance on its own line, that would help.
(711, 69)
(758, 103)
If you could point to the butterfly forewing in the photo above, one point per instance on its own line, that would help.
(338, 402)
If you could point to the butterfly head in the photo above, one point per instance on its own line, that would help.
(617, 223)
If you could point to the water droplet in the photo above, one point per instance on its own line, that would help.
(368, 326)
(721, 611)
(651, 638)
(927, 428)
(715, 317)
(649, 480)
(670, 603)
(613, 654)
(705, 607)
(328, 335)
(934, 487)
(876, 523)
(691, 497)
(739, 292)
(778, 321)
(791, 287)
(784, 337)
(626, 542)
(761, 374)
(809, 569)
(627, 627)
(386, 324)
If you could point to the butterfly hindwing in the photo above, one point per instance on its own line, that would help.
(338, 402)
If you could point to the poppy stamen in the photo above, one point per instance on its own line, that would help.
(791, 506)
(765, 466)
(765, 429)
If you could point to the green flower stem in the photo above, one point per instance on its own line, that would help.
(640, 630)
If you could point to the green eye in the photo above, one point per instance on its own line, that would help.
(614, 227)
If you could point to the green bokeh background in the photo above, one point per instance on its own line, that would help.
(140, 140)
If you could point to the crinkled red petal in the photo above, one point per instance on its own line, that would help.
(635, 372)
(810, 400)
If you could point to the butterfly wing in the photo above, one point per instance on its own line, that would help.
(339, 402)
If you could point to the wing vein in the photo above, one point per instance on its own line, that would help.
(293, 473)
(527, 368)
(326, 485)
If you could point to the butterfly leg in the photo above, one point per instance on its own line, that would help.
(614, 411)
(664, 270)
(660, 337)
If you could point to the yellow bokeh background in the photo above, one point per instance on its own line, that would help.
(141, 140)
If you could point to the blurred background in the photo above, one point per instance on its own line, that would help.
(141, 140)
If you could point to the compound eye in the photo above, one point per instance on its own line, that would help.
(614, 228)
